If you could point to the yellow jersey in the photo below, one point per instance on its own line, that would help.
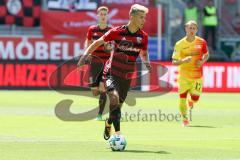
(196, 49)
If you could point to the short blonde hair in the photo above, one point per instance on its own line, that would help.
(190, 23)
(137, 8)
(102, 8)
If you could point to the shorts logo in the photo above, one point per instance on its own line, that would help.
(108, 82)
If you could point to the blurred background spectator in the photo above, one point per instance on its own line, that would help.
(236, 22)
(210, 24)
(191, 12)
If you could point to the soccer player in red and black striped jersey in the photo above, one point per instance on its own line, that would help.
(131, 41)
(98, 57)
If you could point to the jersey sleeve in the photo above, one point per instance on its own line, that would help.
(176, 53)
(145, 43)
(110, 35)
(204, 47)
(89, 33)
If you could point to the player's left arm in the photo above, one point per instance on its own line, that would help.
(203, 60)
(89, 51)
(205, 56)
(145, 59)
(144, 53)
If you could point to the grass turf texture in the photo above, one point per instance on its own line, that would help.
(29, 129)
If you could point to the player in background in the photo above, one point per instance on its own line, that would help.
(131, 41)
(99, 57)
(190, 53)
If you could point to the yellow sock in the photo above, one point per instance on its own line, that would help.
(192, 101)
(183, 108)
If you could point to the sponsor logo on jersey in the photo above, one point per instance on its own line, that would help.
(198, 46)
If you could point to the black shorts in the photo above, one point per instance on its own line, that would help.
(121, 85)
(95, 74)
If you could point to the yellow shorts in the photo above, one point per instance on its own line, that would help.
(194, 86)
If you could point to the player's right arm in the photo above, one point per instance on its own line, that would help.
(90, 49)
(144, 54)
(176, 57)
(181, 61)
(109, 36)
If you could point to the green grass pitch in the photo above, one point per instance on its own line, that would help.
(29, 129)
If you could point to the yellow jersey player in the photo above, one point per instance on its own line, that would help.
(190, 53)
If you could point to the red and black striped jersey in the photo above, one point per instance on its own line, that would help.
(94, 33)
(127, 49)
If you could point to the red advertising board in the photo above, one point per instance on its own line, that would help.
(43, 56)
(54, 75)
(218, 77)
(25, 75)
(77, 23)
(41, 75)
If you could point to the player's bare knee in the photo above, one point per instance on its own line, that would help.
(95, 92)
(114, 98)
(101, 87)
(103, 97)
(103, 93)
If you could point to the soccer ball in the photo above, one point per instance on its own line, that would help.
(117, 142)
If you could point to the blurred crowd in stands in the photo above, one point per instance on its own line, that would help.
(218, 20)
